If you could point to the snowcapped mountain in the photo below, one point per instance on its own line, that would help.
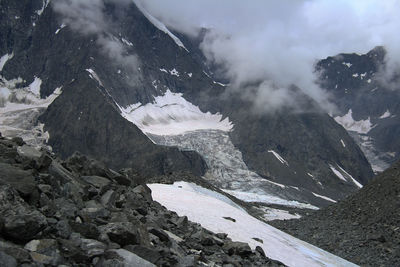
(139, 95)
(367, 106)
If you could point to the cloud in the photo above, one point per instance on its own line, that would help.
(88, 17)
(276, 43)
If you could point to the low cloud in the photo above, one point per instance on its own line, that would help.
(276, 43)
(88, 17)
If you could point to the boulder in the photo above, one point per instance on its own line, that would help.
(124, 233)
(238, 248)
(131, 259)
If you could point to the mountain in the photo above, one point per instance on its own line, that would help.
(368, 107)
(363, 228)
(122, 90)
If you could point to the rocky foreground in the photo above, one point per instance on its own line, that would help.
(364, 228)
(80, 213)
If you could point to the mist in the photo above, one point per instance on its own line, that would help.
(276, 43)
(88, 18)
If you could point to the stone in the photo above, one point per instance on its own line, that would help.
(7, 260)
(122, 233)
(60, 173)
(131, 259)
(229, 219)
(92, 247)
(146, 253)
(21, 180)
(238, 248)
(18, 140)
(88, 230)
(97, 181)
(260, 250)
(29, 152)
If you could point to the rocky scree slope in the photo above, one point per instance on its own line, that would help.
(78, 212)
(364, 228)
(60, 57)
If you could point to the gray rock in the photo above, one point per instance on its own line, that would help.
(7, 260)
(22, 181)
(131, 259)
(29, 152)
(97, 181)
(238, 248)
(122, 233)
(92, 247)
(60, 173)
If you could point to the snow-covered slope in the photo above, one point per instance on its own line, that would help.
(182, 197)
(171, 114)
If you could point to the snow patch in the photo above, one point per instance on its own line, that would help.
(61, 27)
(355, 75)
(337, 173)
(385, 115)
(4, 59)
(347, 121)
(171, 114)
(34, 87)
(324, 197)
(190, 74)
(282, 160)
(343, 144)
(347, 64)
(369, 81)
(222, 84)
(186, 201)
(174, 72)
(351, 177)
(362, 76)
(45, 4)
(163, 70)
(159, 25)
(93, 75)
(128, 43)
(271, 214)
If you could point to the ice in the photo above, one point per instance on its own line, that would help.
(347, 64)
(343, 144)
(282, 160)
(227, 170)
(385, 115)
(34, 87)
(61, 27)
(324, 197)
(347, 121)
(4, 59)
(187, 201)
(171, 114)
(159, 25)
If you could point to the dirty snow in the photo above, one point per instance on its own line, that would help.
(34, 87)
(385, 115)
(337, 173)
(93, 75)
(186, 200)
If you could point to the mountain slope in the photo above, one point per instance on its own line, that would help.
(135, 62)
(363, 228)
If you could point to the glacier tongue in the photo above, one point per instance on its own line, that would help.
(227, 169)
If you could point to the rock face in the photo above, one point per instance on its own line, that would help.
(82, 215)
(86, 117)
(363, 228)
(367, 105)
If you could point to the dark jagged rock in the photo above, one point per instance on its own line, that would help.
(363, 228)
(109, 225)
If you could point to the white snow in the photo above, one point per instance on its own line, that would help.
(128, 43)
(94, 76)
(324, 197)
(159, 25)
(190, 74)
(45, 4)
(163, 70)
(61, 27)
(337, 173)
(271, 214)
(351, 177)
(282, 160)
(209, 211)
(34, 87)
(369, 81)
(174, 72)
(171, 114)
(363, 75)
(343, 144)
(385, 115)
(222, 84)
(355, 75)
(4, 59)
(347, 64)
(347, 121)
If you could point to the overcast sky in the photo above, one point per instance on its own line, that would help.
(278, 41)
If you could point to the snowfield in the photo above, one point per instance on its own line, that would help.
(171, 114)
(208, 208)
